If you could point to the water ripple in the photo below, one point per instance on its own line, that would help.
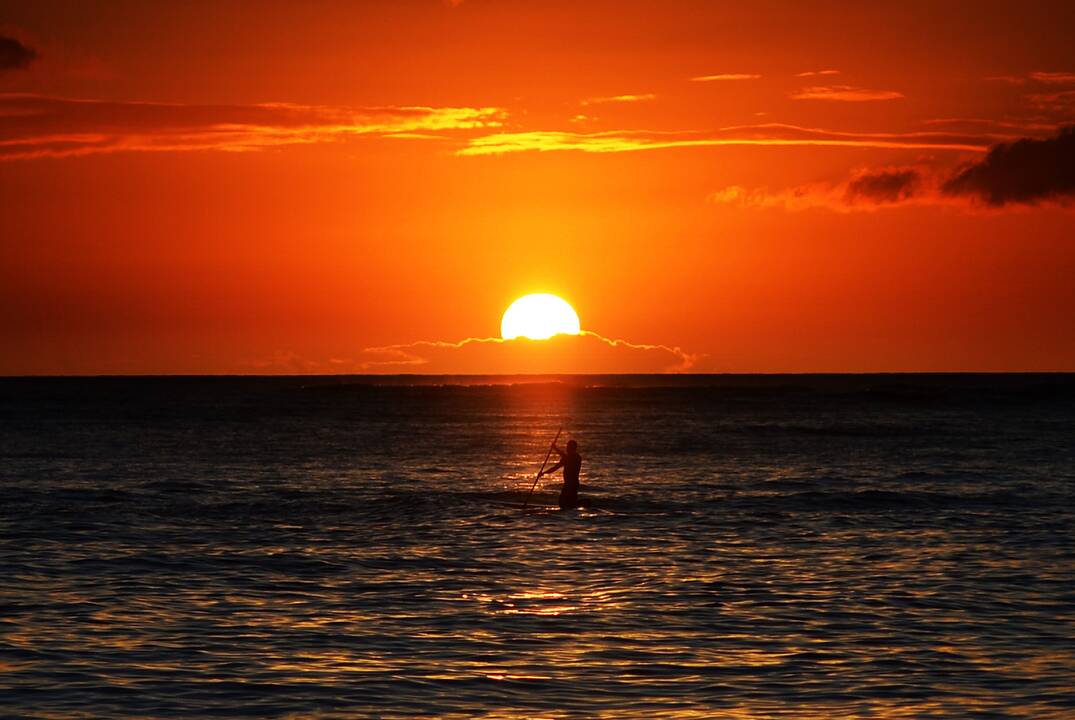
(267, 550)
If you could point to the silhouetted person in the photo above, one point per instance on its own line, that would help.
(571, 462)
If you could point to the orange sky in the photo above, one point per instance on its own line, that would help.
(752, 187)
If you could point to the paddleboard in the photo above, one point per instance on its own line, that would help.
(533, 508)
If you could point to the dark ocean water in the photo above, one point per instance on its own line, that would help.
(799, 547)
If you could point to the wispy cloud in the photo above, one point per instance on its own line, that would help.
(813, 73)
(1061, 102)
(284, 362)
(1038, 76)
(1054, 78)
(725, 76)
(1028, 171)
(619, 99)
(588, 352)
(40, 126)
(1008, 79)
(1045, 94)
(867, 189)
(1000, 129)
(771, 134)
(844, 93)
(14, 55)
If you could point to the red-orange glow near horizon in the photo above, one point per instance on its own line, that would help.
(365, 187)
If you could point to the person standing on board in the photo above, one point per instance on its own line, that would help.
(571, 462)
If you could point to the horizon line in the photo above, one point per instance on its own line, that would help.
(729, 373)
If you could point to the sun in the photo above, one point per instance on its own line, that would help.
(539, 317)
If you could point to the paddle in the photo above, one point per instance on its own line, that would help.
(545, 462)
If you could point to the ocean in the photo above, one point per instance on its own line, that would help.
(882, 546)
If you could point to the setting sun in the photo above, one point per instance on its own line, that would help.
(539, 317)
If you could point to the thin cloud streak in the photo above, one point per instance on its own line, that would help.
(1038, 76)
(772, 134)
(33, 126)
(844, 93)
(726, 76)
(997, 128)
(1009, 79)
(1054, 78)
(813, 73)
(643, 97)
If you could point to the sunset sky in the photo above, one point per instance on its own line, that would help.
(341, 187)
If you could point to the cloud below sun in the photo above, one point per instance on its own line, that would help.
(587, 352)
(540, 334)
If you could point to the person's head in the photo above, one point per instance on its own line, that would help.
(572, 446)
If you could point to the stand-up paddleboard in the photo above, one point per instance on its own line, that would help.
(532, 508)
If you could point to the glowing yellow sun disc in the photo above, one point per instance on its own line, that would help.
(539, 317)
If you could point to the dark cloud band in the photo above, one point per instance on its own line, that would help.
(1024, 171)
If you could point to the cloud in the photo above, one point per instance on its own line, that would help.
(844, 93)
(1009, 79)
(1026, 171)
(588, 352)
(619, 99)
(812, 73)
(1053, 78)
(1038, 76)
(769, 134)
(1047, 97)
(14, 55)
(40, 126)
(725, 76)
(866, 189)
(884, 186)
(284, 362)
(999, 129)
(1062, 102)
(798, 198)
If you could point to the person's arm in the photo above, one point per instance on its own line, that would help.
(553, 469)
